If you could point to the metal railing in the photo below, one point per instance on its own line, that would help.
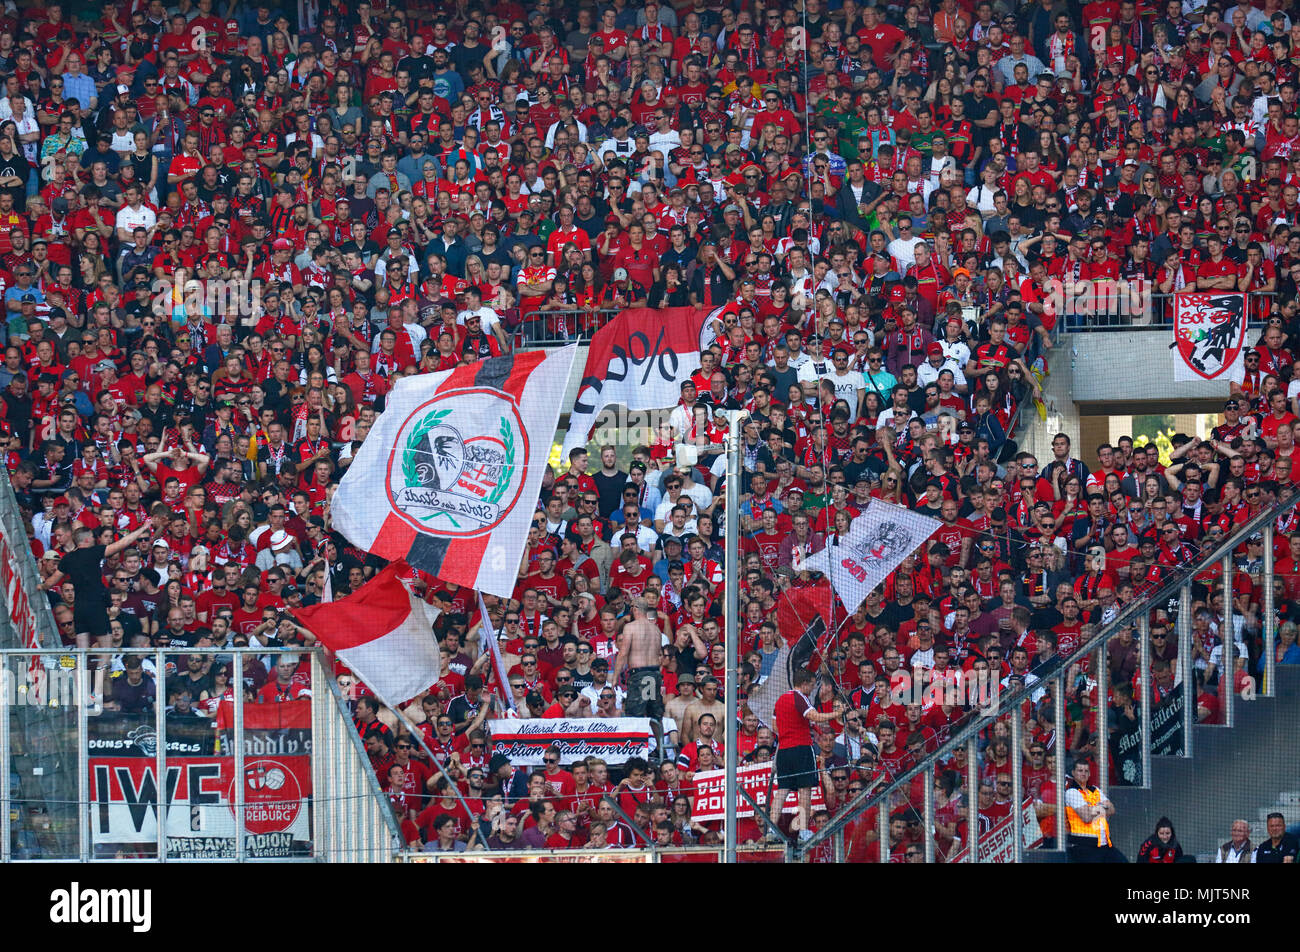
(1080, 306)
(253, 782)
(670, 854)
(1119, 305)
(1093, 651)
(32, 765)
(558, 328)
(354, 823)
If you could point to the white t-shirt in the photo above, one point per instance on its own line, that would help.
(904, 250)
(927, 373)
(666, 506)
(489, 317)
(980, 198)
(129, 218)
(847, 388)
(665, 142)
(1216, 656)
(315, 141)
(381, 268)
(32, 149)
(815, 369)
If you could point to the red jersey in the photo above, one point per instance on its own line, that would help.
(792, 726)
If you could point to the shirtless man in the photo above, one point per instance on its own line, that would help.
(638, 654)
(707, 703)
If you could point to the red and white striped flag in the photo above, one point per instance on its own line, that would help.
(449, 475)
(383, 632)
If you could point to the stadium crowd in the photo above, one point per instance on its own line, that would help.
(223, 237)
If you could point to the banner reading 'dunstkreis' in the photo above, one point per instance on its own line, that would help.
(449, 475)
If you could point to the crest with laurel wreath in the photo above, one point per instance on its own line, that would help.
(450, 477)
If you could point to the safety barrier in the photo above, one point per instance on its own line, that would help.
(150, 772)
(1053, 677)
(1104, 305)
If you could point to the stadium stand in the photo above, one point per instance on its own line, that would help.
(224, 239)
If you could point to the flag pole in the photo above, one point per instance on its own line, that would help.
(732, 612)
(491, 645)
(418, 736)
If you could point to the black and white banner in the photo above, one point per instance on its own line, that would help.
(614, 739)
(877, 541)
(1166, 738)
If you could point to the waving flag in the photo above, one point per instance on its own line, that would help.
(382, 632)
(1209, 334)
(639, 360)
(806, 617)
(877, 541)
(449, 475)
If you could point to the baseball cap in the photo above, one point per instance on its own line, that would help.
(934, 348)
(620, 274)
(281, 244)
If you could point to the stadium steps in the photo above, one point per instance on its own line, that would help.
(1230, 772)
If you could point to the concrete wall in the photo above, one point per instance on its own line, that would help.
(1099, 376)
(1134, 367)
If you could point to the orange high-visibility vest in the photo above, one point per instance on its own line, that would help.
(1098, 828)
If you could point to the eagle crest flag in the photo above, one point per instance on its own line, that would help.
(875, 545)
(1209, 335)
(449, 475)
